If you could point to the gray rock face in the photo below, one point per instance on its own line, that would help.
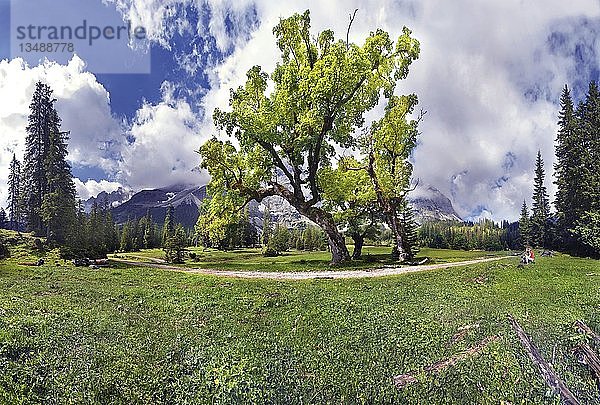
(114, 198)
(431, 205)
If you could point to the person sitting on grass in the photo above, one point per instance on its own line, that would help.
(528, 256)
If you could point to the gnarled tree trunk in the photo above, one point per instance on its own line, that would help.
(359, 241)
(398, 251)
(337, 244)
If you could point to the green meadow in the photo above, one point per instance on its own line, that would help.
(132, 334)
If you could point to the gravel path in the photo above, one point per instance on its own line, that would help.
(307, 275)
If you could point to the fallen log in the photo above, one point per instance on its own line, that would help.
(462, 332)
(548, 373)
(583, 328)
(587, 356)
(402, 380)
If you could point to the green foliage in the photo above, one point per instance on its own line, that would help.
(4, 252)
(388, 146)
(221, 225)
(321, 89)
(539, 224)
(138, 335)
(278, 242)
(15, 206)
(587, 231)
(175, 245)
(524, 226)
(311, 238)
(91, 236)
(484, 235)
(169, 225)
(48, 190)
(409, 229)
(577, 172)
(348, 193)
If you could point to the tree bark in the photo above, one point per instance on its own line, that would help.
(337, 244)
(390, 212)
(359, 241)
(398, 252)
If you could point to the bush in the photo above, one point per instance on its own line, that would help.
(38, 244)
(278, 242)
(4, 252)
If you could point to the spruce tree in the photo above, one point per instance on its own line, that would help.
(58, 203)
(266, 228)
(539, 230)
(409, 229)
(524, 231)
(589, 141)
(169, 225)
(14, 194)
(41, 123)
(175, 245)
(567, 170)
(588, 208)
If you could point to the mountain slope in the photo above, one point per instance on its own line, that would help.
(185, 201)
(428, 202)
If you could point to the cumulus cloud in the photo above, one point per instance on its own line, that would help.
(489, 76)
(83, 105)
(155, 149)
(163, 141)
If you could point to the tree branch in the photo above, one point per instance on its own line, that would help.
(350, 25)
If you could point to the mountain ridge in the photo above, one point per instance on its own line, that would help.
(427, 201)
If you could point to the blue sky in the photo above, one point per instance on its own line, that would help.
(489, 75)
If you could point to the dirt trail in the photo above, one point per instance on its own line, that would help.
(306, 275)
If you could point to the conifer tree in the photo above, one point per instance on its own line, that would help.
(567, 170)
(14, 193)
(175, 245)
(169, 225)
(58, 203)
(524, 225)
(43, 121)
(409, 229)
(589, 141)
(539, 225)
(266, 229)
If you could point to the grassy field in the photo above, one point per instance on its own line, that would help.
(139, 335)
(252, 259)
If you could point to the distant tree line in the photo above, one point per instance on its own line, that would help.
(575, 226)
(482, 235)
(144, 233)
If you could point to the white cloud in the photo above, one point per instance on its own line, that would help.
(166, 138)
(487, 76)
(83, 105)
(91, 188)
